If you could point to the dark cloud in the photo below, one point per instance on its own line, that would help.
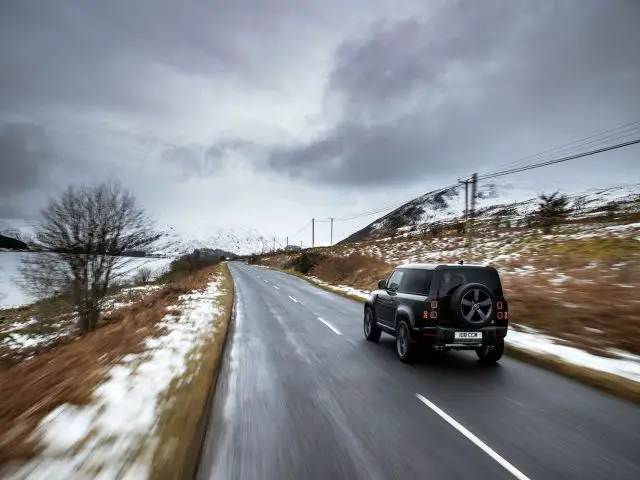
(450, 91)
(189, 102)
(206, 160)
(24, 150)
(115, 55)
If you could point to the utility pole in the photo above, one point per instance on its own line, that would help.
(274, 244)
(472, 211)
(466, 201)
(313, 232)
(287, 242)
(332, 232)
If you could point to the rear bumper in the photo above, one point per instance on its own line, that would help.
(446, 336)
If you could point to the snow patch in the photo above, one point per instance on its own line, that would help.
(545, 345)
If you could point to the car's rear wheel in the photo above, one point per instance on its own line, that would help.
(491, 352)
(372, 331)
(405, 346)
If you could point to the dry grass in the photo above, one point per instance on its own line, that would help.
(182, 418)
(51, 323)
(593, 308)
(69, 373)
(356, 270)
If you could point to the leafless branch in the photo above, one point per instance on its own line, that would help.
(87, 233)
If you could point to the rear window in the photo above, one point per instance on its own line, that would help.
(416, 281)
(454, 277)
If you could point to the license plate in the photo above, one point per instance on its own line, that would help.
(468, 335)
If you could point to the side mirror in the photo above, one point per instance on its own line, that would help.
(382, 284)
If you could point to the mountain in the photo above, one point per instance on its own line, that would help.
(13, 244)
(233, 241)
(493, 202)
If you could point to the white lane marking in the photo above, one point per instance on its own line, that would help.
(276, 287)
(479, 443)
(266, 281)
(293, 299)
(334, 329)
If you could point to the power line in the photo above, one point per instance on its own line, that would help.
(306, 225)
(559, 160)
(612, 134)
(619, 137)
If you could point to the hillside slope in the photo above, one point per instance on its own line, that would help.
(493, 205)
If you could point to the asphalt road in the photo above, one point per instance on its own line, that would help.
(302, 395)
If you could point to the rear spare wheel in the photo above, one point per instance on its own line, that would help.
(473, 305)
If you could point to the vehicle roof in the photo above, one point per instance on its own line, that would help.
(434, 266)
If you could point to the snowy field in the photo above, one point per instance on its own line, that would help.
(115, 435)
(11, 295)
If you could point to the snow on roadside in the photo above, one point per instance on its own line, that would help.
(342, 288)
(627, 367)
(115, 434)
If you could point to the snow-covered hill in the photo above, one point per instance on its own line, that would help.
(239, 242)
(493, 201)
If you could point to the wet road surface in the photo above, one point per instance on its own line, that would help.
(302, 395)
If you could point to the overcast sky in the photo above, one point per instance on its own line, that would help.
(265, 113)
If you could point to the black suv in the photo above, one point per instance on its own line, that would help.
(440, 307)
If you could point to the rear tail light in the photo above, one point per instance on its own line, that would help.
(433, 306)
(506, 315)
(500, 315)
(499, 305)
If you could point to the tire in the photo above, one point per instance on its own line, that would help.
(406, 348)
(491, 353)
(473, 305)
(372, 331)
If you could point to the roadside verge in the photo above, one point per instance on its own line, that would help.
(608, 382)
(127, 401)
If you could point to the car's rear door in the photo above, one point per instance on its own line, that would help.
(414, 291)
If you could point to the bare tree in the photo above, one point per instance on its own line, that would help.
(143, 275)
(552, 209)
(85, 235)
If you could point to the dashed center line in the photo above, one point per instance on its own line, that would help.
(276, 287)
(293, 299)
(334, 329)
(479, 443)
